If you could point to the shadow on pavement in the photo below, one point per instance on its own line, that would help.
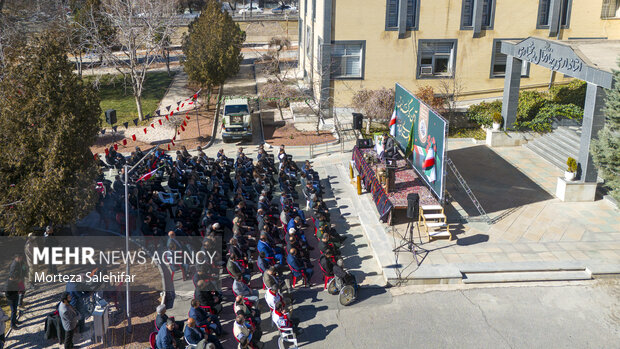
(365, 293)
(496, 183)
(316, 333)
(472, 240)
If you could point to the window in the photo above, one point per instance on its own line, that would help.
(436, 58)
(498, 62)
(611, 9)
(313, 10)
(309, 43)
(467, 14)
(391, 14)
(348, 60)
(305, 8)
(544, 8)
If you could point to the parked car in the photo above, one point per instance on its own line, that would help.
(284, 9)
(254, 7)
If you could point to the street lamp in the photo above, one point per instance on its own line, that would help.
(127, 171)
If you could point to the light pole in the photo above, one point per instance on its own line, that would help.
(127, 170)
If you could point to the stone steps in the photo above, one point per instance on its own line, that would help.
(557, 146)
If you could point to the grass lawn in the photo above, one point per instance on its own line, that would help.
(476, 133)
(115, 94)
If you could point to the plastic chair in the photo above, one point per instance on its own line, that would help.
(303, 275)
(286, 335)
(152, 338)
(326, 277)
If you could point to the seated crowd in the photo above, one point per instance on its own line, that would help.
(266, 234)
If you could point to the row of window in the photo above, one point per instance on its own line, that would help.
(488, 13)
(436, 59)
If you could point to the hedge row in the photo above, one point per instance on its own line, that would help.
(537, 110)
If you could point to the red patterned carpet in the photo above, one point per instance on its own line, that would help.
(407, 181)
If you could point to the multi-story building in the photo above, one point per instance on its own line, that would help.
(346, 45)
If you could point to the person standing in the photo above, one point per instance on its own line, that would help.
(50, 241)
(3, 320)
(12, 297)
(69, 318)
(31, 243)
(18, 270)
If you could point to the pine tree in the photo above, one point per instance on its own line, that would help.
(606, 149)
(212, 48)
(49, 118)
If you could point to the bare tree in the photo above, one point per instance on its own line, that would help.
(280, 93)
(141, 32)
(450, 90)
(375, 104)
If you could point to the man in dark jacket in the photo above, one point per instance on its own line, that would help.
(19, 270)
(165, 339)
(12, 296)
(203, 318)
(69, 317)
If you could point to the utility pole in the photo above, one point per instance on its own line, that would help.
(127, 171)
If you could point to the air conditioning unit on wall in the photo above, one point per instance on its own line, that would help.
(426, 70)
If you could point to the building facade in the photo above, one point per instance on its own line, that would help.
(451, 45)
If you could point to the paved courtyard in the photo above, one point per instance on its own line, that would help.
(531, 228)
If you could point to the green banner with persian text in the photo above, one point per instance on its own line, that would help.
(421, 134)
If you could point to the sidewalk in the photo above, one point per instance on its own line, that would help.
(535, 236)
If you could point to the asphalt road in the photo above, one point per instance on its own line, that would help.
(581, 316)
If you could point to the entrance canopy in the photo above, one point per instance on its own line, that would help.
(589, 60)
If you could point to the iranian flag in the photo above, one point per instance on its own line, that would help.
(393, 124)
(147, 176)
(429, 165)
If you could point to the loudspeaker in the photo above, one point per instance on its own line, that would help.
(413, 201)
(364, 143)
(110, 116)
(357, 121)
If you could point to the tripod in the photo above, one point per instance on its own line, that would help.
(408, 243)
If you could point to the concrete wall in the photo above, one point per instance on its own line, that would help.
(390, 59)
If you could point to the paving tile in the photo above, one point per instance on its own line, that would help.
(578, 255)
(453, 258)
(516, 257)
(568, 246)
(508, 248)
(551, 246)
(522, 247)
(469, 258)
(531, 257)
(563, 255)
(610, 254)
(484, 257)
(573, 233)
(547, 256)
(501, 257)
(538, 247)
(438, 258)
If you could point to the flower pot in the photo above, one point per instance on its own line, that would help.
(496, 126)
(569, 176)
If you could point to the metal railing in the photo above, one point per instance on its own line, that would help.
(313, 147)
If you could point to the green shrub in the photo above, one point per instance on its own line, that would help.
(543, 120)
(530, 103)
(497, 118)
(482, 113)
(571, 164)
(573, 93)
